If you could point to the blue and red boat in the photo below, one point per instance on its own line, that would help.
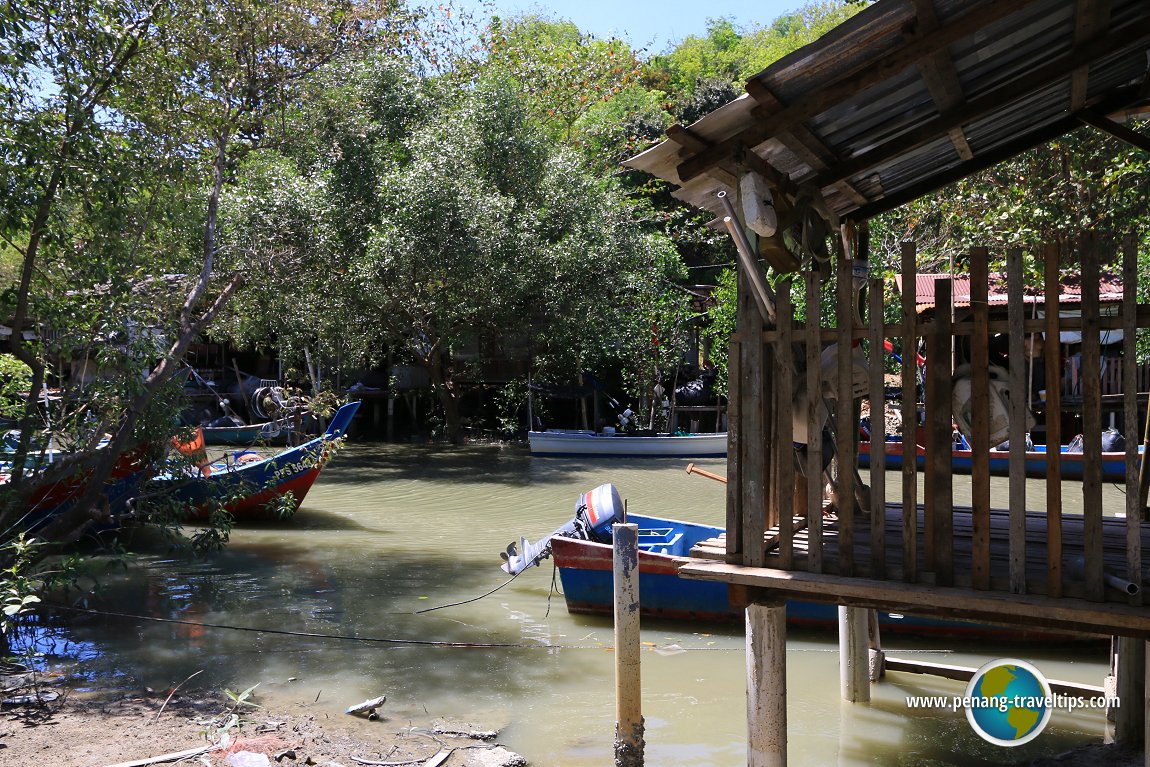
(1114, 466)
(583, 556)
(249, 486)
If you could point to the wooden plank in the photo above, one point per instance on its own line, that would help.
(1118, 130)
(909, 411)
(938, 483)
(1012, 609)
(877, 428)
(1053, 352)
(784, 428)
(814, 414)
(1091, 421)
(980, 417)
(846, 425)
(1016, 311)
(1130, 413)
(1091, 18)
(752, 452)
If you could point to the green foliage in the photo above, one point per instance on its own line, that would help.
(731, 54)
(561, 73)
(1082, 181)
(15, 378)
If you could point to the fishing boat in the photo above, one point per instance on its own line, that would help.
(577, 442)
(583, 555)
(53, 490)
(251, 486)
(267, 433)
(1114, 466)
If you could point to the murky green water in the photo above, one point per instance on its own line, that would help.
(390, 530)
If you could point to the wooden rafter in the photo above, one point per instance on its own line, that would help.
(1106, 125)
(684, 137)
(1135, 34)
(941, 78)
(864, 75)
(1091, 20)
(802, 142)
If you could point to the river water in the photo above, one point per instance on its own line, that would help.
(393, 529)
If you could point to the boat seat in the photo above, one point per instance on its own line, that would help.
(660, 541)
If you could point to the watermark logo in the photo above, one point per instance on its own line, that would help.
(1009, 702)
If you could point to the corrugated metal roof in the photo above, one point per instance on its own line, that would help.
(1110, 290)
(909, 95)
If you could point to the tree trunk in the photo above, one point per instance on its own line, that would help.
(445, 391)
(71, 525)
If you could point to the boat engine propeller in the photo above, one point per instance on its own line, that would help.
(595, 511)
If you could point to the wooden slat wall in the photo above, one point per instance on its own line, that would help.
(846, 423)
(980, 419)
(814, 415)
(772, 494)
(909, 413)
(1130, 414)
(877, 430)
(1016, 314)
(1091, 423)
(1053, 350)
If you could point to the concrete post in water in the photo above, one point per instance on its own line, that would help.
(767, 684)
(628, 690)
(854, 658)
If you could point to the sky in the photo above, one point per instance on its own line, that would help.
(645, 24)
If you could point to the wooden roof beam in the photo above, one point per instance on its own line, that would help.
(1091, 19)
(724, 173)
(941, 78)
(1118, 130)
(851, 82)
(1135, 34)
(803, 143)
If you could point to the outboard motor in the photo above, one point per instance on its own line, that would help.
(595, 511)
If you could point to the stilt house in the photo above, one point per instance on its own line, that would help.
(904, 98)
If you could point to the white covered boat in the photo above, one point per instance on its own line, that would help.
(585, 442)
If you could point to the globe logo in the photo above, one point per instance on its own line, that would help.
(1008, 702)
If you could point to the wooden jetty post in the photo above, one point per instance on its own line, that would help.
(628, 689)
(767, 683)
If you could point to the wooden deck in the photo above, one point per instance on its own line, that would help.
(1122, 613)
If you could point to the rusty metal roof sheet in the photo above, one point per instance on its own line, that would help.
(909, 95)
(1110, 290)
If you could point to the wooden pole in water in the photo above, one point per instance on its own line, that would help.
(854, 655)
(628, 690)
(767, 684)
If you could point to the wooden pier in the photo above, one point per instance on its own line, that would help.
(900, 100)
(958, 601)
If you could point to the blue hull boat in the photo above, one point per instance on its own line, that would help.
(585, 569)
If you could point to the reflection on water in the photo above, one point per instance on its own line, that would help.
(390, 530)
